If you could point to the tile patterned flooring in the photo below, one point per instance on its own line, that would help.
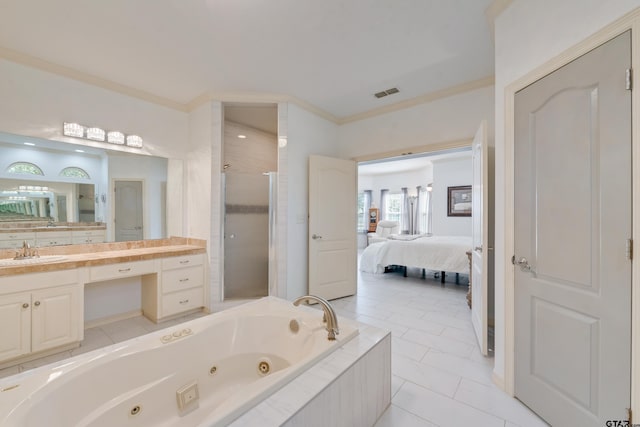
(439, 376)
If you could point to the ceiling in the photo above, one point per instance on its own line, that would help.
(333, 55)
(413, 163)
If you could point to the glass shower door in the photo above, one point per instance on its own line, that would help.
(246, 235)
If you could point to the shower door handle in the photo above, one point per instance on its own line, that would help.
(316, 237)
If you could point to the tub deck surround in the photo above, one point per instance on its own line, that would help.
(77, 256)
(236, 358)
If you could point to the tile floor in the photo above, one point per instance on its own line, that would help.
(439, 376)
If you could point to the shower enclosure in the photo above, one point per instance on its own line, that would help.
(249, 221)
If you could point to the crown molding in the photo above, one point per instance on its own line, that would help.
(235, 97)
(41, 64)
(423, 99)
(258, 97)
(429, 148)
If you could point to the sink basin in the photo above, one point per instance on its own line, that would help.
(31, 261)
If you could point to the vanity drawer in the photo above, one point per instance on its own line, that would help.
(28, 236)
(14, 240)
(181, 261)
(121, 269)
(84, 240)
(85, 233)
(182, 278)
(178, 302)
(54, 241)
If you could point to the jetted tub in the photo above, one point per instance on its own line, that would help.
(205, 372)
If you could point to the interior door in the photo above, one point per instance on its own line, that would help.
(480, 233)
(332, 227)
(572, 221)
(128, 210)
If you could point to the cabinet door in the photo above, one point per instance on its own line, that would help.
(56, 317)
(15, 318)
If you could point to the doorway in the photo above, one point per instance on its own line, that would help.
(572, 210)
(250, 153)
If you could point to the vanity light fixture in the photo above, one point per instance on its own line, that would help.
(115, 137)
(30, 144)
(73, 129)
(242, 136)
(134, 141)
(79, 151)
(96, 134)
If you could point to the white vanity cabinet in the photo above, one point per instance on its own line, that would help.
(46, 313)
(9, 240)
(180, 288)
(88, 236)
(53, 238)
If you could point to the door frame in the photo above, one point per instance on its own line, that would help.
(631, 22)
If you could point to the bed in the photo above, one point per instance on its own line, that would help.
(437, 253)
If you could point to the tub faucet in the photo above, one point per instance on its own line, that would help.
(329, 317)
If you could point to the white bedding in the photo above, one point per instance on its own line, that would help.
(438, 253)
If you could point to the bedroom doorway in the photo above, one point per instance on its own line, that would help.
(404, 189)
(572, 227)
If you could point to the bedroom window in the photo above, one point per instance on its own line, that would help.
(393, 207)
(364, 203)
(361, 212)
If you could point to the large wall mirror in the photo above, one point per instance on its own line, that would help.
(46, 183)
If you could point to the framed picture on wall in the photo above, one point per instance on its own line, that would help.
(459, 201)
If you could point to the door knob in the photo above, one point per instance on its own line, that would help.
(316, 237)
(522, 262)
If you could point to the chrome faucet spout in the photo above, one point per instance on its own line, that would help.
(329, 314)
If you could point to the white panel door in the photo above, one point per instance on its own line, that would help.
(480, 233)
(572, 221)
(332, 227)
(128, 210)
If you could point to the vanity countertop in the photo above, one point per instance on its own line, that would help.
(76, 256)
(16, 228)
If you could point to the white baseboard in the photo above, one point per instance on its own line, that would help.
(110, 319)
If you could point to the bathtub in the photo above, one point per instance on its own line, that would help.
(205, 372)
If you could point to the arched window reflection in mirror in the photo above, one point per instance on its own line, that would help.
(74, 172)
(24, 168)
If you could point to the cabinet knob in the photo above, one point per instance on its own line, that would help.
(37, 303)
(25, 305)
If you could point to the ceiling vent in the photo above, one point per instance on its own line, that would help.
(387, 92)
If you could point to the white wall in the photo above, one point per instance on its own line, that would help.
(255, 154)
(394, 182)
(449, 173)
(36, 103)
(307, 134)
(448, 119)
(528, 34)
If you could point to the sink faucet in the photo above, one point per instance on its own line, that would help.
(27, 252)
(329, 317)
